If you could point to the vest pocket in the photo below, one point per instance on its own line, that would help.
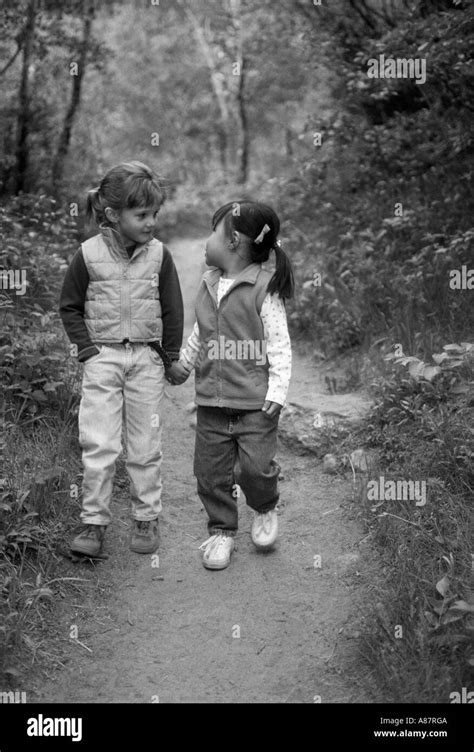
(258, 374)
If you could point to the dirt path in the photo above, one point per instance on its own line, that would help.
(272, 627)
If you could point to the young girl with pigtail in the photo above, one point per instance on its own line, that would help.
(241, 352)
(121, 307)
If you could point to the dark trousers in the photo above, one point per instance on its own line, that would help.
(235, 447)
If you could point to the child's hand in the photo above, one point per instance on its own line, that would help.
(176, 374)
(271, 408)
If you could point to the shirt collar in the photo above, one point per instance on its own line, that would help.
(249, 275)
(115, 243)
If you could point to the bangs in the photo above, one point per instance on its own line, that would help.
(143, 191)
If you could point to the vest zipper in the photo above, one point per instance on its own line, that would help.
(123, 310)
(219, 362)
(127, 320)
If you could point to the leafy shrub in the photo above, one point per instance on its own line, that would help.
(38, 412)
(422, 426)
(38, 236)
(382, 210)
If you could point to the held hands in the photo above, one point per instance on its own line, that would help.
(272, 409)
(176, 373)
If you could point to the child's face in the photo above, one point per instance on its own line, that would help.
(137, 225)
(217, 246)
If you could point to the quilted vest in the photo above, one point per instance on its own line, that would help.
(232, 368)
(123, 296)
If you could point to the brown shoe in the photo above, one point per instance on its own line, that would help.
(145, 536)
(90, 540)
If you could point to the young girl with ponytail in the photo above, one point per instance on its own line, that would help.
(241, 352)
(122, 309)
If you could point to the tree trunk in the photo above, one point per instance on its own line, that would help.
(243, 135)
(222, 141)
(217, 82)
(241, 111)
(289, 141)
(23, 123)
(65, 137)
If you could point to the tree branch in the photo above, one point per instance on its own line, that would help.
(65, 136)
(12, 59)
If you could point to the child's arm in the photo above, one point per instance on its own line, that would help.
(71, 307)
(171, 306)
(275, 328)
(190, 353)
(179, 371)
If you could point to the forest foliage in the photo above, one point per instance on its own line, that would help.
(373, 177)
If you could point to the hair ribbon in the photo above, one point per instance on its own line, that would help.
(260, 237)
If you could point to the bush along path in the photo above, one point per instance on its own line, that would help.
(281, 626)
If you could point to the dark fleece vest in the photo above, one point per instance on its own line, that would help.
(232, 368)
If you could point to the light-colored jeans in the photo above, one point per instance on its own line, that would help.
(121, 381)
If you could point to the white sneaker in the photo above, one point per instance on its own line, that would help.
(217, 550)
(265, 529)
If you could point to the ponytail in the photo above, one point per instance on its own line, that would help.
(283, 281)
(260, 224)
(94, 210)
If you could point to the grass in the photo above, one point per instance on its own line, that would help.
(420, 619)
(39, 496)
(37, 507)
(422, 552)
(417, 626)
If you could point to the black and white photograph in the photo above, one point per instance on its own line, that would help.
(237, 364)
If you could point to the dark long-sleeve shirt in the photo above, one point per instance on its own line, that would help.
(73, 297)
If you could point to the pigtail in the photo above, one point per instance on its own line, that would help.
(94, 211)
(283, 281)
(260, 223)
